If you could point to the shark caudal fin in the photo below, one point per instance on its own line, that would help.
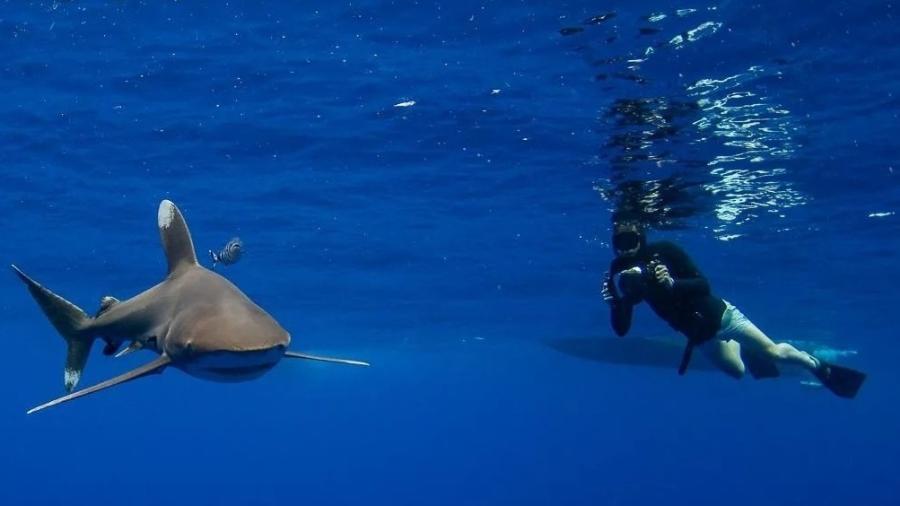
(176, 238)
(294, 354)
(71, 323)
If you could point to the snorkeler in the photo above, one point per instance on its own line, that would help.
(662, 274)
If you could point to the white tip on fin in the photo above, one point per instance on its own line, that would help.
(294, 354)
(153, 367)
(166, 214)
(71, 378)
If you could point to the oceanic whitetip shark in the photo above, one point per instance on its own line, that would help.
(195, 319)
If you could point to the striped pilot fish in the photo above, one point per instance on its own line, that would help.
(229, 254)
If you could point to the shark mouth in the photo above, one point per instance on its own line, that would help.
(231, 366)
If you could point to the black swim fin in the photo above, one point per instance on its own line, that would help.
(843, 381)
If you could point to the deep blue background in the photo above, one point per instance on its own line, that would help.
(448, 241)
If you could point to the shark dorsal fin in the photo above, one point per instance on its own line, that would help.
(176, 238)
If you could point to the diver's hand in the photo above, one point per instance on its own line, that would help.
(608, 296)
(661, 272)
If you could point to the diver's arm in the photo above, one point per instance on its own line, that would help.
(688, 280)
(620, 309)
(691, 286)
(620, 315)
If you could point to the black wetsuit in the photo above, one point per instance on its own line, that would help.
(688, 306)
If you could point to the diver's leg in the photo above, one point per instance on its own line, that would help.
(750, 336)
(843, 381)
(726, 355)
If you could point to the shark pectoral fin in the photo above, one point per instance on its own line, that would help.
(294, 354)
(153, 367)
(133, 347)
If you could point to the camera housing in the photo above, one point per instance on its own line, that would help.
(633, 281)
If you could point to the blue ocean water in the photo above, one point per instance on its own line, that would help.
(428, 186)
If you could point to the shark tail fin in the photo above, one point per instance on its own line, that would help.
(71, 323)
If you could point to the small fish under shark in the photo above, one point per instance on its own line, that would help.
(195, 319)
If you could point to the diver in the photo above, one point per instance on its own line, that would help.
(664, 276)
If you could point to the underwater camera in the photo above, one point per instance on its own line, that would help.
(633, 281)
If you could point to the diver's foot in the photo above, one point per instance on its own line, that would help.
(816, 362)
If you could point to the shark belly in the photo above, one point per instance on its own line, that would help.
(231, 366)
